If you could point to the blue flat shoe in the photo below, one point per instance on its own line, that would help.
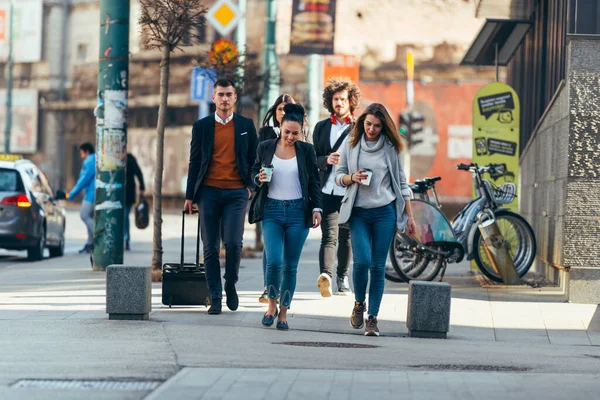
(282, 325)
(268, 320)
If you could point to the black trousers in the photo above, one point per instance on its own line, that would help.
(222, 215)
(334, 235)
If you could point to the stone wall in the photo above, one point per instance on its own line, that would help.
(560, 186)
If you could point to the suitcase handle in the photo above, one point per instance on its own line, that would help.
(183, 214)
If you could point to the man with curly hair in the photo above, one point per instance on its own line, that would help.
(340, 98)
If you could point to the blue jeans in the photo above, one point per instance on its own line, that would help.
(222, 215)
(285, 232)
(127, 212)
(371, 233)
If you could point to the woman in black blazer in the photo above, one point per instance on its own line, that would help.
(288, 202)
(270, 130)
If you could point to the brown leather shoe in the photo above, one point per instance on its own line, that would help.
(371, 328)
(357, 319)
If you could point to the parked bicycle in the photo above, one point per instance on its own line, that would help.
(438, 242)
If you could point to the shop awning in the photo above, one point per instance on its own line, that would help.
(507, 34)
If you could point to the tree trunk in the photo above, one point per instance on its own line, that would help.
(157, 249)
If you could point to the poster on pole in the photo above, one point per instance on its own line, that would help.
(496, 121)
(313, 27)
(27, 30)
(24, 124)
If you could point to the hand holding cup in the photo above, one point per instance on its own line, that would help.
(359, 176)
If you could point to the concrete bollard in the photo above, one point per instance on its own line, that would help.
(428, 309)
(128, 292)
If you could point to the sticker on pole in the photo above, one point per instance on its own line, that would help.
(224, 16)
(115, 109)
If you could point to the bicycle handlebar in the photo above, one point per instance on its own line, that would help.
(485, 168)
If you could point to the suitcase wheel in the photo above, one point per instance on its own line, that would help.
(170, 301)
(207, 301)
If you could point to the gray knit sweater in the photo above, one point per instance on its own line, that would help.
(380, 192)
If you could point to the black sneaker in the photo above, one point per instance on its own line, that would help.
(87, 249)
(343, 285)
(357, 319)
(215, 307)
(371, 327)
(232, 298)
(127, 245)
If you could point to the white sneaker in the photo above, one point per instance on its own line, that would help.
(324, 285)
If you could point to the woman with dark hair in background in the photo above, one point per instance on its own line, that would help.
(272, 121)
(376, 205)
(288, 202)
(271, 130)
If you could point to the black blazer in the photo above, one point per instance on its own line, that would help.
(201, 151)
(309, 179)
(322, 142)
(266, 133)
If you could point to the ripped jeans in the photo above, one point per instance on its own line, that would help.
(285, 231)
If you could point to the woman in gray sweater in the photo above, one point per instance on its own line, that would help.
(375, 205)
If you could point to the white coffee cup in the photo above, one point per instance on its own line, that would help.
(367, 180)
(269, 172)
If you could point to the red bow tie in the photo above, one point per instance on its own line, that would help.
(347, 120)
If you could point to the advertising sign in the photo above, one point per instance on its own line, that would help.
(496, 120)
(24, 132)
(340, 66)
(313, 27)
(27, 30)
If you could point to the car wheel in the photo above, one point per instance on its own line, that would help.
(59, 250)
(37, 253)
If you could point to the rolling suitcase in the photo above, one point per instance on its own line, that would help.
(184, 284)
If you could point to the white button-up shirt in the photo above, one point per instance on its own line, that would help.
(330, 186)
(219, 120)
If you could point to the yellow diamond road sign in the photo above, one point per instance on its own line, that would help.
(224, 16)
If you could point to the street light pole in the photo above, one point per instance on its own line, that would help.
(9, 82)
(270, 66)
(111, 134)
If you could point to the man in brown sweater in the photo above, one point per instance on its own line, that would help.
(222, 153)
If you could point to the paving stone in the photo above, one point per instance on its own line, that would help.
(128, 291)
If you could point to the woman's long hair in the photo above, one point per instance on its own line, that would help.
(272, 112)
(388, 127)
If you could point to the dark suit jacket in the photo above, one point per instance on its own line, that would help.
(321, 140)
(201, 151)
(266, 133)
(309, 179)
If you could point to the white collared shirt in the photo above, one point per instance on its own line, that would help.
(219, 120)
(330, 186)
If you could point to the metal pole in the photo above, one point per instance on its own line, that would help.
(111, 131)
(9, 82)
(314, 76)
(496, 62)
(59, 175)
(270, 67)
(240, 38)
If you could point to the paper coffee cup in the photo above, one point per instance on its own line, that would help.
(269, 171)
(367, 180)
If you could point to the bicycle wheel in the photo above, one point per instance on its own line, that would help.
(413, 266)
(391, 275)
(520, 239)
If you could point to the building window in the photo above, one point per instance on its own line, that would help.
(587, 17)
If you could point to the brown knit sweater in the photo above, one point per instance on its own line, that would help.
(223, 172)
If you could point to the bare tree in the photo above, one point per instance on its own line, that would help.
(164, 24)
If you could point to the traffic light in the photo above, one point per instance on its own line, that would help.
(411, 123)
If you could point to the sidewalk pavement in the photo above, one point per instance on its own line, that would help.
(503, 343)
